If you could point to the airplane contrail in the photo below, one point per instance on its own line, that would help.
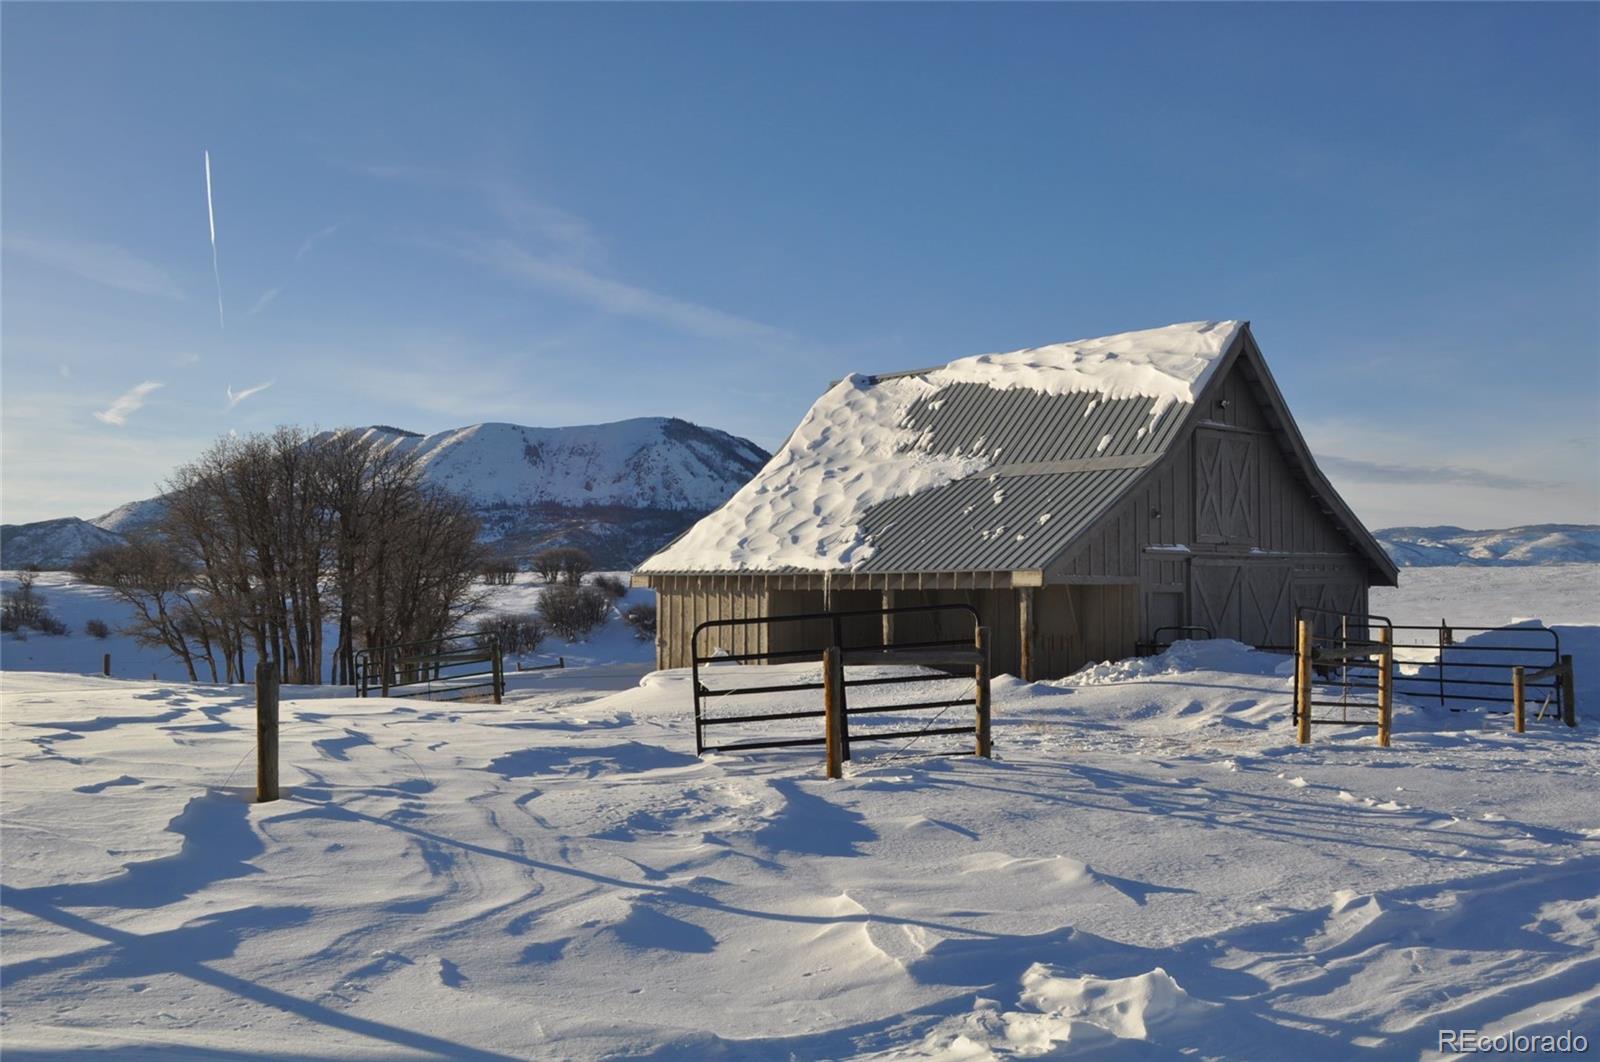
(235, 397)
(211, 216)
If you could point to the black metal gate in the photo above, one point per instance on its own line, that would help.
(450, 668)
(967, 654)
(1364, 660)
(1457, 666)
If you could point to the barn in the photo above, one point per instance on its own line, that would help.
(1085, 497)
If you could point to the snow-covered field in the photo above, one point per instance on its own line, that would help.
(1149, 867)
(76, 603)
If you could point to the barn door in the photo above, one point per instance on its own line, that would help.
(1266, 616)
(1224, 486)
(1332, 595)
(1249, 602)
(1215, 597)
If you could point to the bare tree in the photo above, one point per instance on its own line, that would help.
(282, 531)
(146, 574)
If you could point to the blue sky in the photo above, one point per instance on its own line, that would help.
(431, 216)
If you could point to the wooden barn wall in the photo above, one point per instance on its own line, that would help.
(1278, 551)
(1078, 625)
(682, 604)
(1073, 625)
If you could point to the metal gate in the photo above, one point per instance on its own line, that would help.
(450, 668)
(968, 654)
(1363, 660)
(1477, 665)
(1328, 649)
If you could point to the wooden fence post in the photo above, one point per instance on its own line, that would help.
(1025, 632)
(1385, 685)
(1302, 680)
(499, 676)
(1569, 692)
(1519, 712)
(266, 731)
(981, 697)
(831, 713)
(105, 665)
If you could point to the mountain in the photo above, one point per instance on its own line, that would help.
(649, 463)
(130, 516)
(1428, 547)
(51, 543)
(619, 491)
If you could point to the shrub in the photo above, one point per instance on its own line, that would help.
(499, 571)
(566, 563)
(642, 618)
(573, 611)
(519, 632)
(24, 608)
(611, 584)
(96, 628)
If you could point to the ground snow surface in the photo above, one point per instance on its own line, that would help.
(1149, 866)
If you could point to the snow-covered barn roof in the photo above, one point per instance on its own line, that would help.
(991, 463)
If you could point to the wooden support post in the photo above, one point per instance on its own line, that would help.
(1569, 692)
(1385, 685)
(1025, 631)
(981, 695)
(266, 731)
(1302, 680)
(105, 665)
(888, 618)
(1519, 708)
(832, 711)
(384, 679)
(499, 675)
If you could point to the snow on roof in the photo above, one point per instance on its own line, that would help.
(1170, 364)
(855, 448)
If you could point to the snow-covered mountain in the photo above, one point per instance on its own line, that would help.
(618, 490)
(51, 543)
(130, 516)
(1424, 547)
(648, 463)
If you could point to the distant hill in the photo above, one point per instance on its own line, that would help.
(619, 491)
(51, 543)
(1429, 547)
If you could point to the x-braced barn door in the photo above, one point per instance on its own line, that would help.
(1224, 486)
(1246, 600)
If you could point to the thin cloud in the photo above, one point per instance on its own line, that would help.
(103, 263)
(315, 238)
(263, 302)
(524, 213)
(611, 296)
(126, 404)
(235, 397)
(1362, 471)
